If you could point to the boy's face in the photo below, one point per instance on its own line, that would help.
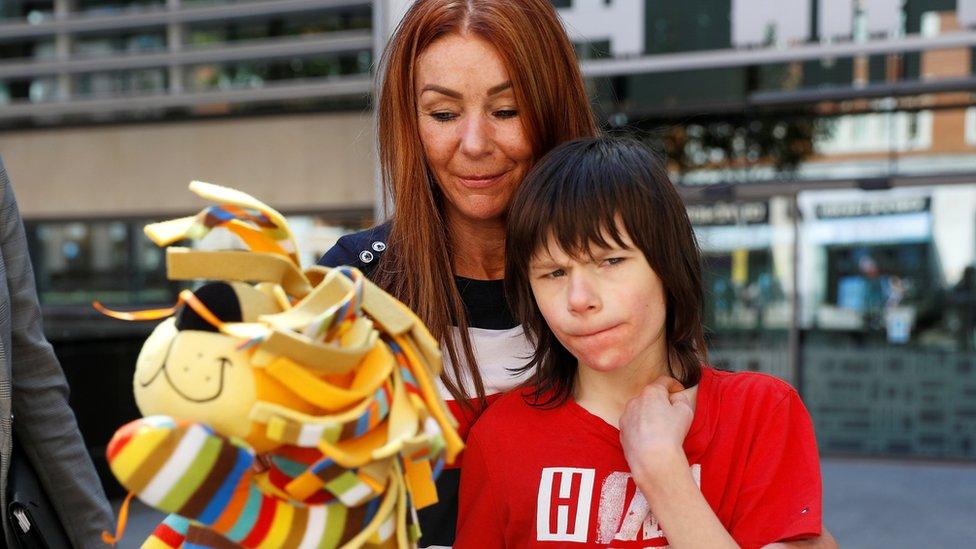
(609, 310)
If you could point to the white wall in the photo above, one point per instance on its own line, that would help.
(295, 162)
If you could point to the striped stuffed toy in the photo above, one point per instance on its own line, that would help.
(283, 407)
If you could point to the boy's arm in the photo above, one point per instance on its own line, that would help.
(824, 541)
(652, 430)
(679, 506)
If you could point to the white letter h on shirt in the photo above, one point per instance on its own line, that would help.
(565, 503)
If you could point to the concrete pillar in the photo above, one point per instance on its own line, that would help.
(62, 48)
(174, 43)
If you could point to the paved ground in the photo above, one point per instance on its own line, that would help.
(868, 504)
(875, 504)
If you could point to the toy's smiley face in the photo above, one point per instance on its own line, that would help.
(195, 375)
(195, 366)
(187, 369)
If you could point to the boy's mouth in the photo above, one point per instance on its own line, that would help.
(597, 332)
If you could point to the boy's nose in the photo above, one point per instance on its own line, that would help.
(582, 296)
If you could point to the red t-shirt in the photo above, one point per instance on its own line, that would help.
(536, 477)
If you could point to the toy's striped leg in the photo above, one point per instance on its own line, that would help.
(179, 467)
(185, 468)
(170, 534)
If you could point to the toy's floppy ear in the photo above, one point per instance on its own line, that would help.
(260, 227)
(229, 302)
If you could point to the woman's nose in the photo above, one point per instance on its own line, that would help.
(475, 137)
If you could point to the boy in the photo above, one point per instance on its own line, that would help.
(623, 437)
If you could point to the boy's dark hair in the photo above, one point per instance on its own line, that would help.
(575, 193)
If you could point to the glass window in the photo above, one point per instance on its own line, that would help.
(288, 24)
(315, 234)
(132, 82)
(256, 73)
(94, 45)
(747, 249)
(77, 262)
(33, 11)
(105, 7)
(888, 317)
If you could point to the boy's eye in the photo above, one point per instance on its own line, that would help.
(613, 260)
(555, 274)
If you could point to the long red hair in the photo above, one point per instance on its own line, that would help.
(553, 108)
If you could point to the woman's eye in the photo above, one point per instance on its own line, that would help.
(443, 116)
(506, 113)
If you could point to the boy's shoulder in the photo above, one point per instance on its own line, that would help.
(512, 413)
(515, 402)
(756, 387)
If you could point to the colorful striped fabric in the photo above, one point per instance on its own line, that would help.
(255, 229)
(347, 309)
(170, 534)
(185, 468)
(349, 416)
(306, 432)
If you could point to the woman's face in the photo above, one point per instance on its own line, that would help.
(470, 127)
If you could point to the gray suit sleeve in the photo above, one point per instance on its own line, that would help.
(46, 426)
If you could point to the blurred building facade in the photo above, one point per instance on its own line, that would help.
(826, 150)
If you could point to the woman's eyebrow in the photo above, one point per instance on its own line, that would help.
(442, 90)
(494, 90)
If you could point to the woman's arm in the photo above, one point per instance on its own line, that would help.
(652, 431)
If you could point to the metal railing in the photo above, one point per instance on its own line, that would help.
(731, 58)
(176, 57)
(172, 13)
(269, 48)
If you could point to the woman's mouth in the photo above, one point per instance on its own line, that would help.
(480, 181)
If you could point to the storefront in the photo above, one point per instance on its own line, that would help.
(886, 307)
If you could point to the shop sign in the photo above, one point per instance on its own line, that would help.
(729, 213)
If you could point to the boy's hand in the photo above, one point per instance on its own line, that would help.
(653, 429)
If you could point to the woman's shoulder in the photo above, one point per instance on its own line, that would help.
(361, 249)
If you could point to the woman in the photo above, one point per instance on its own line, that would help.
(473, 93)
